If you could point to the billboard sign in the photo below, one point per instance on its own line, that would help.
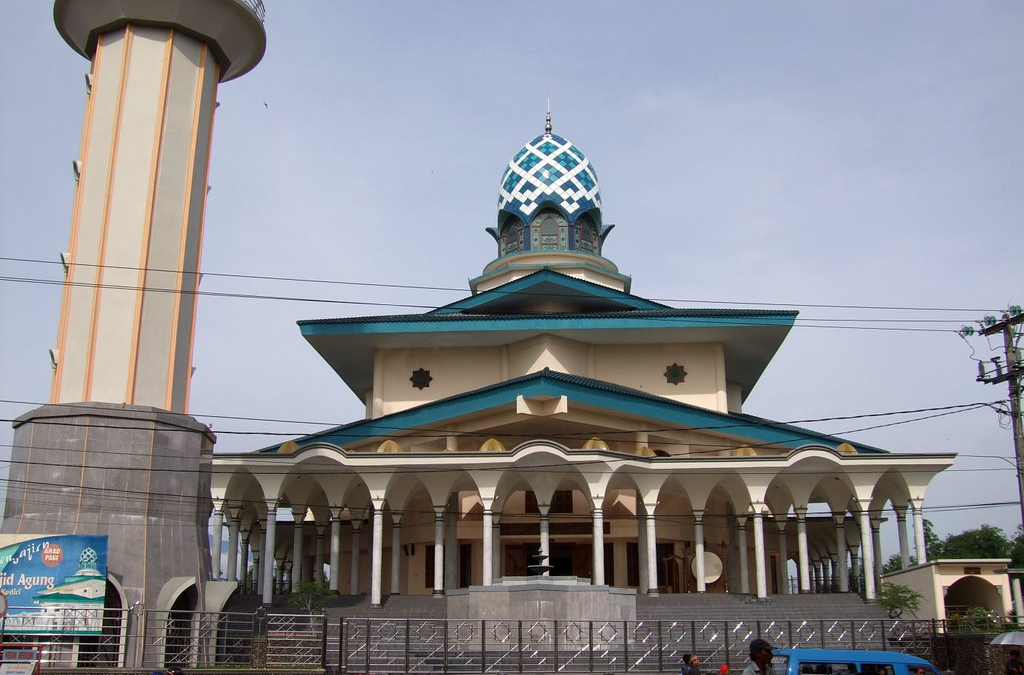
(54, 584)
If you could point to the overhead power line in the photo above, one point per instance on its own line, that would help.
(186, 504)
(450, 289)
(611, 434)
(800, 322)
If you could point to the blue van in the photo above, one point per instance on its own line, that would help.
(848, 661)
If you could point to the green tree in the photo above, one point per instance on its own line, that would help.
(895, 563)
(932, 544)
(310, 596)
(898, 598)
(1017, 549)
(983, 542)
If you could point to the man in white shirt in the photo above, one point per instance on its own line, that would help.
(760, 658)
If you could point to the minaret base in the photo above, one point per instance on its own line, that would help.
(137, 474)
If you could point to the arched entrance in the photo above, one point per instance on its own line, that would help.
(969, 592)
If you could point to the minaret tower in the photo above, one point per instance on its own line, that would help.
(128, 311)
(115, 452)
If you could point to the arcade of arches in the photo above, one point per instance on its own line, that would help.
(404, 523)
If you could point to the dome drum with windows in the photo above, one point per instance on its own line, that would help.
(549, 200)
(549, 217)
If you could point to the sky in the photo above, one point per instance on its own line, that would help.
(861, 162)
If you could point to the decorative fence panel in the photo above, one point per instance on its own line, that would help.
(148, 639)
(559, 646)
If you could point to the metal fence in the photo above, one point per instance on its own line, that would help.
(547, 646)
(152, 639)
(149, 639)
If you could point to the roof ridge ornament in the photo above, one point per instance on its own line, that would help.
(547, 120)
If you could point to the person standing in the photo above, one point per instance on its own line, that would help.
(691, 665)
(1013, 664)
(760, 658)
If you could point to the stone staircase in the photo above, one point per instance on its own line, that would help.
(716, 626)
(392, 607)
(666, 607)
(353, 606)
(733, 607)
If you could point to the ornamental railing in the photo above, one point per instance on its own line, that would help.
(561, 646)
(139, 639)
(254, 6)
(152, 639)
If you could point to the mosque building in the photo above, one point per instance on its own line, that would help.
(550, 409)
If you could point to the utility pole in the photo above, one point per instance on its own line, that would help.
(1012, 373)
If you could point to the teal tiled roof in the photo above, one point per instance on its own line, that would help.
(595, 393)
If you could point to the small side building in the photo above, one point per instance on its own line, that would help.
(959, 584)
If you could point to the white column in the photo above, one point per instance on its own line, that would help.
(396, 554)
(598, 546)
(496, 544)
(265, 560)
(1018, 602)
(451, 544)
(333, 583)
(741, 541)
(376, 557)
(876, 548)
(855, 564)
(232, 571)
(698, 548)
(801, 545)
(488, 546)
(759, 568)
(268, 553)
(652, 553)
(218, 542)
(353, 581)
(844, 573)
(439, 550)
(545, 535)
(257, 573)
(867, 555)
(783, 556)
(904, 546)
(318, 561)
(243, 561)
(922, 551)
(299, 516)
(641, 551)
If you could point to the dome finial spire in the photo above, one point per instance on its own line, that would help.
(547, 122)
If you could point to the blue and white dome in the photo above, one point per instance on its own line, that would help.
(549, 171)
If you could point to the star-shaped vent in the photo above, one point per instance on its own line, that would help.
(675, 374)
(421, 378)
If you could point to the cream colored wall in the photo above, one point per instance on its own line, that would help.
(923, 580)
(454, 371)
(734, 397)
(548, 351)
(138, 210)
(932, 579)
(946, 576)
(590, 268)
(642, 367)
